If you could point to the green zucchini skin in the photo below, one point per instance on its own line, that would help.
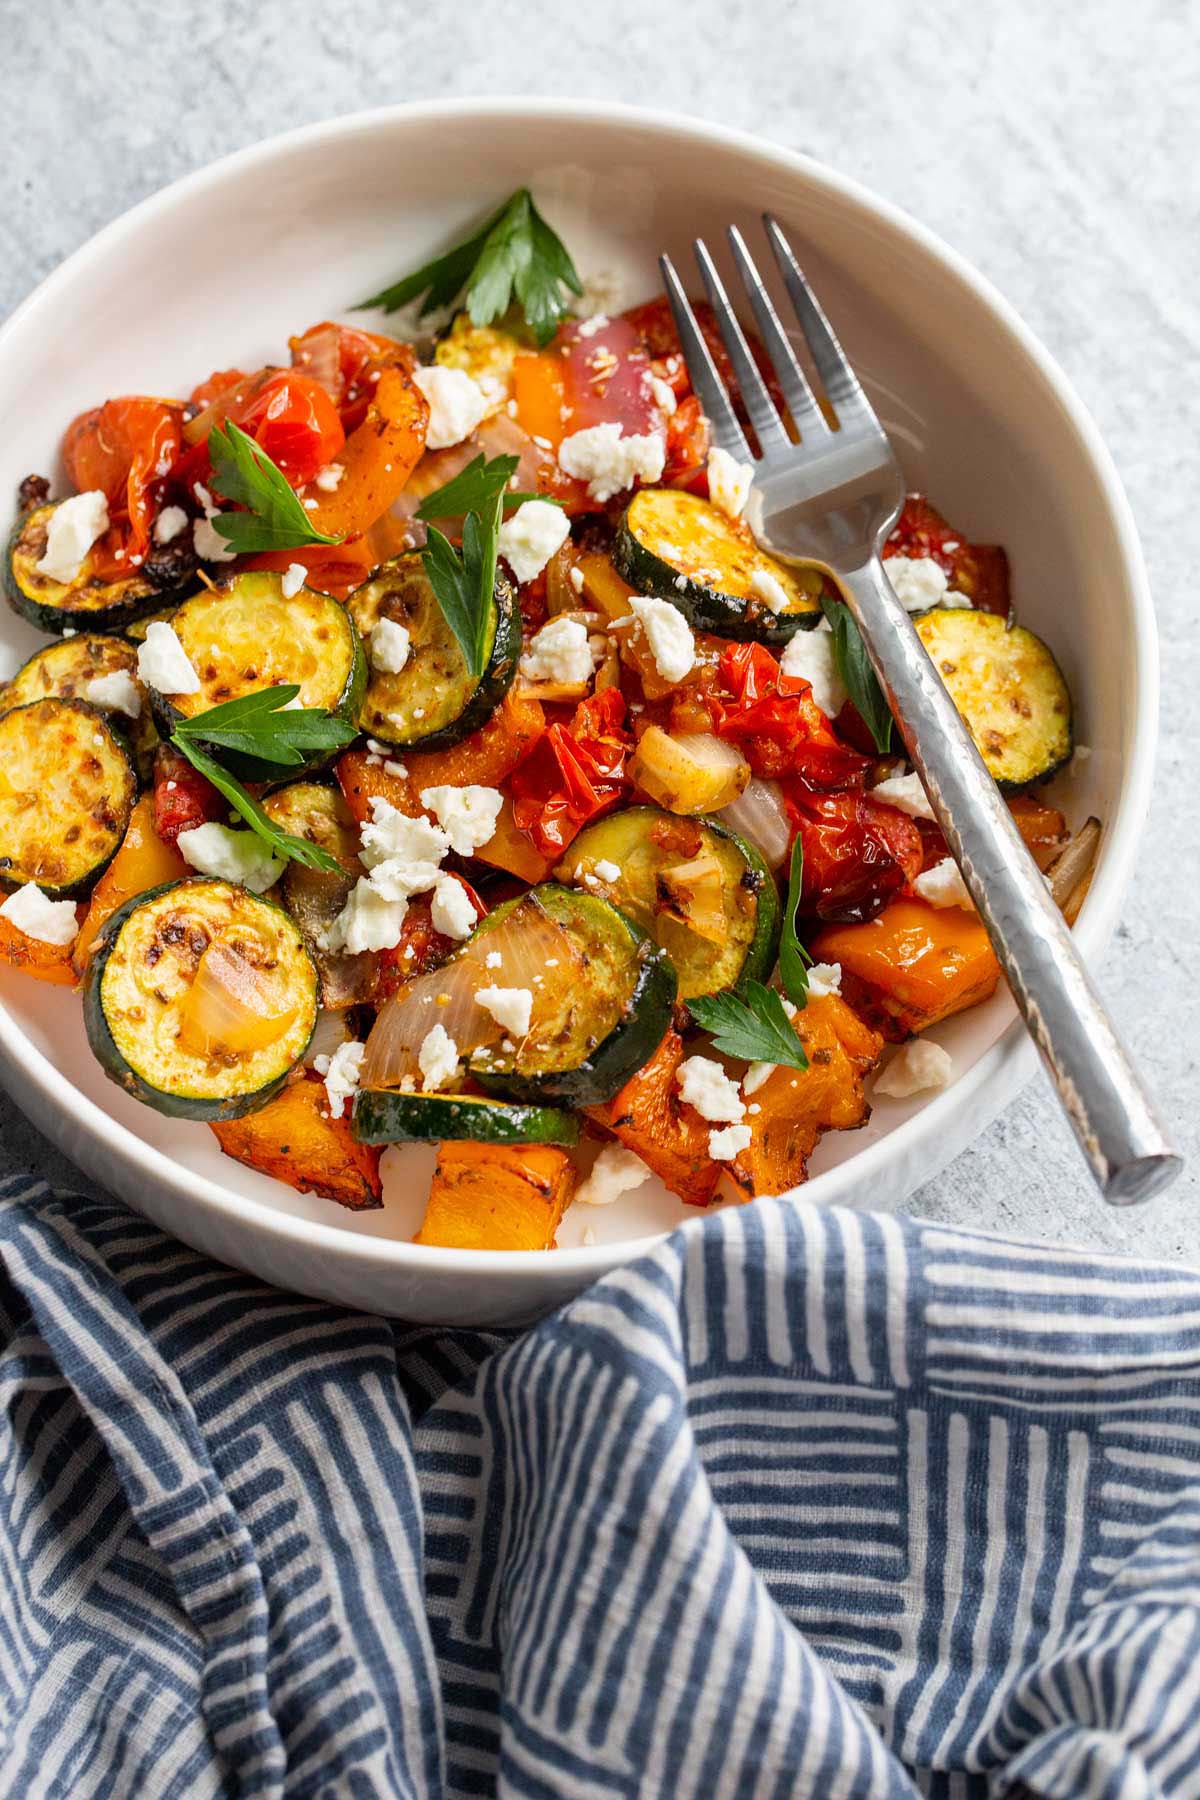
(625, 839)
(435, 680)
(86, 602)
(62, 671)
(679, 547)
(69, 755)
(115, 1062)
(387, 1116)
(1009, 689)
(311, 639)
(605, 1065)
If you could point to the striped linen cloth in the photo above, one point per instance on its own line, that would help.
(801, 1503)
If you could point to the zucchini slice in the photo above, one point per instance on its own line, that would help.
(103, 605)
(251, 635)
(1007, 686)
(600, 1011)
(153, 1008)
(67, 788)
(702, 893)
(680, 547)
(387, 1116)
(314, 898)
(433, 701)
(65, 669)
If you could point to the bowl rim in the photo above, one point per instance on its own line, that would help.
(1011, 1059)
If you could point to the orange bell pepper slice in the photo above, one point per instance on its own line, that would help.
(377, 458)
(143, 862)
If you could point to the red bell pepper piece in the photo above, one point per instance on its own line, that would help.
(575, 773)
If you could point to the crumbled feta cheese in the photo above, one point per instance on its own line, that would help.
(769, 589)
(492, 960)
(607, 871)
(559, 652)
(402, 853)
(917, 1067)
(616, 1171)
(943, 885)
(292, 579)
(210, 546)
(906, 793)
(457, 404)
(342, 1073)
(531, 536)
(510, 1007)
(437, 1058)
(369, 920)
(587, 328)
(169, 523)
(609, 462)
(389, 646)
(577, 580)
(588, 1236)
(668, 634)
(728, 482)
(704, 1084)
(953, 599)
(1075, 767)
(49, 921)
(237, 856)
(452, 911)
(809, 655)
(755, 1076)
(163, 663)
(467, 815)
(920, 582)
(724, 1145)
(115, 692)
(824, 978)
(75, 524)
(662, 394)
(327, 478)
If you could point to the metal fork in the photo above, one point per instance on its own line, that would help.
(832, 499)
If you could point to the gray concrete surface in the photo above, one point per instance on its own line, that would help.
(1057, 147)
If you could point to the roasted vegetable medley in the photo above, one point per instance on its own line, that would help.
(425, 751)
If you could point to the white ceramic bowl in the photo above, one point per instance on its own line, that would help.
(224, 265)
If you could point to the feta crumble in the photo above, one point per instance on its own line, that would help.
(452, 911)
(170, 522)
(824, 978)
(609, 462)
(115, 692)
(437, 1058)
(327, 478)
(492, 960)
(724, 1145)
(207, 541)
(668, 634)
(389, 646)
(510, 1007)
(292, 580)
(770, 590)
(75, 524)
(756, 1076)
(559, 652)
(728, 482)
(402, 853)
(530, 537)
(368, 921)
(457, 404)
(704, 1084)
(237, 856)
(921, 582)
(607, 871)
(916, 1068)
(587, 328)
(943, 885)
(342, 1076)
(809, 655)
(163, 663)
(662, 394)
(36, 916)
(616, 1171)
(906, 793)
(466, 815)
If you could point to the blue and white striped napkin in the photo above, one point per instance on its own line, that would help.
(802, 1503)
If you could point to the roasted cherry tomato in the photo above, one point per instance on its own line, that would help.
(347, 363)
(777, 724)
(182, 796)
(288, 413)
(575, 773)
(126, 448)
(857, 853)
(655, 326)
(421, 946)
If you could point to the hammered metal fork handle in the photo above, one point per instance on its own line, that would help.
(1101, 1092)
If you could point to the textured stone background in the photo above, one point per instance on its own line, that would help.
(1057, 147)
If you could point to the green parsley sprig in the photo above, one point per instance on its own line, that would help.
(514, 252)
(474, 489)
(274, 518)
(750, 1024)
(794, 959)
(464, 581)
(266, 725)
(282, 843)
(858, 677)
